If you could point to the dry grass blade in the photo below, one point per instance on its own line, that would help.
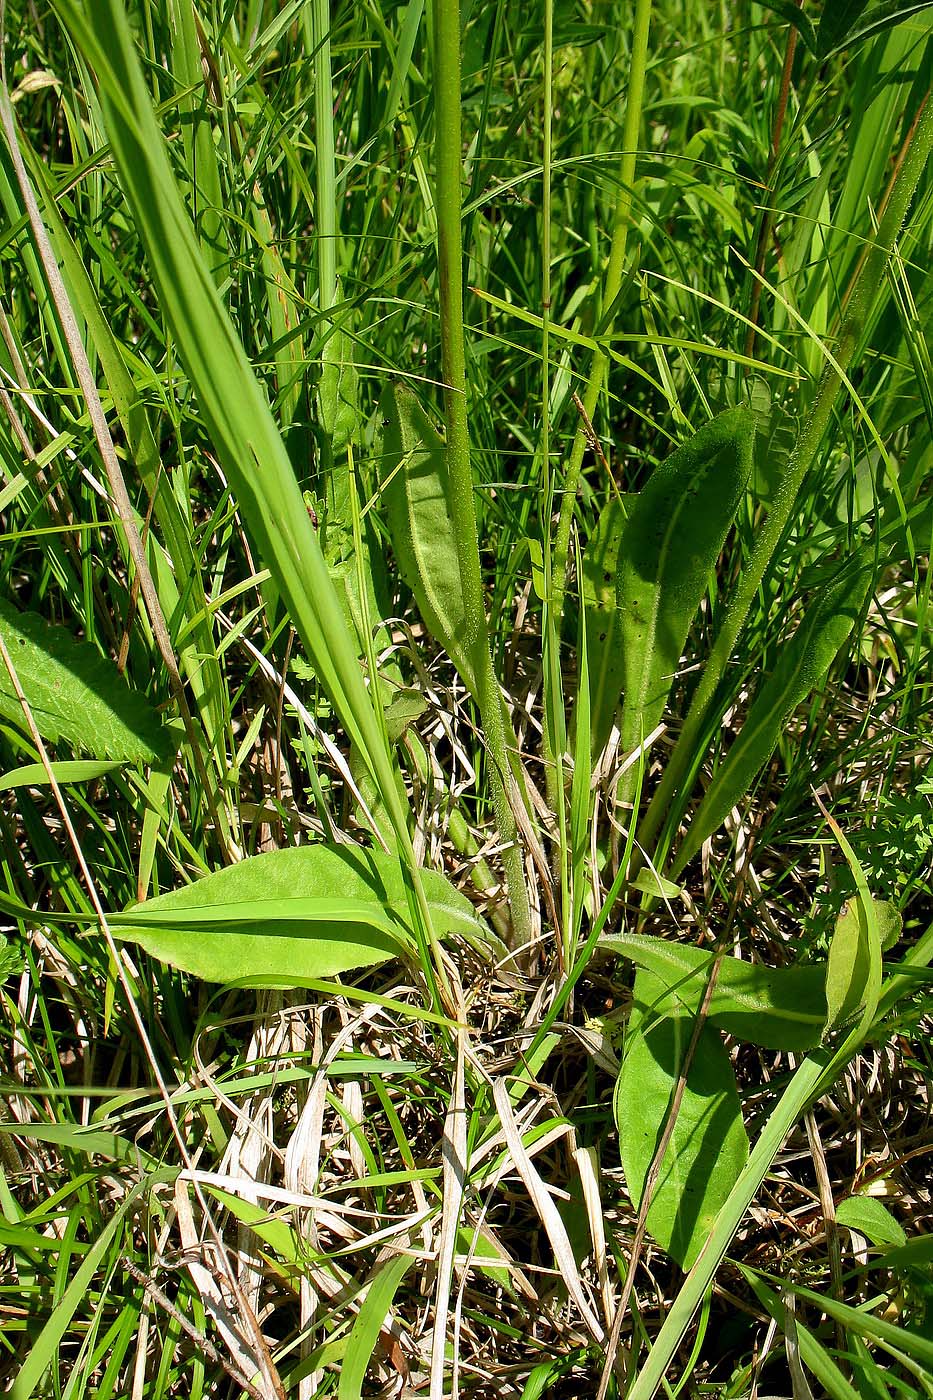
(211, 1293)
(547, 1211)
(587, 1161)
(200, 1340)
(454, 1179)
(801, 1385)
(251, 1150)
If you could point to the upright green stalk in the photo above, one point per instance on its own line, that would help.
(611, 288)
(325, 182)
(555, 737)
(547, 115)
(869, 279)
(546, 255)
(453, 364)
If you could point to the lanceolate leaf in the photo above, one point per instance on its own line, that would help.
(708, 1147)
(76, 694)
(849, 969)
(416, 492)
(290, 917)
(339, 391)
(234, 404)
(780, 1008)
(803, 663)
(672, 539)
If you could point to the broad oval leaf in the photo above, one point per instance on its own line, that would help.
(849, 969)
(803, 663)
(675, 530)
(77, 694)
(416, 490)
(708, 1146)
(872, 1219)
(289, 917)
(780, 1008)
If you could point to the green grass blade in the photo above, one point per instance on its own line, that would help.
(814, 1356)
(804, 662)
(45, 1348)
(913, 1343)
(839, 17)
(189, 48)
(368, 1325)
(232, 401)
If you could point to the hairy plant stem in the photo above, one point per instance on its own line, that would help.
(555, 736)
(767, 217)
(611, 288)
(325, 183)
(869, 278)
(453, 362)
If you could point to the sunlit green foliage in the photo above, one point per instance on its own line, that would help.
(464, 656)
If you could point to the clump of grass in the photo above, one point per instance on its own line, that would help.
(464, 868)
